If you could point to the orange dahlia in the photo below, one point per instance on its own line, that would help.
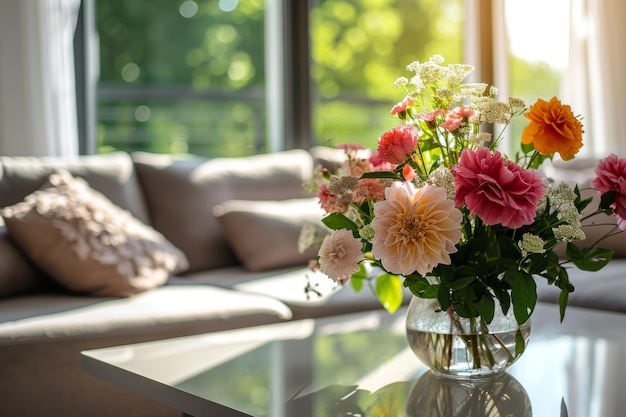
(553, 128)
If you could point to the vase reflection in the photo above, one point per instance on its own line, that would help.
(431, 395)
(436, 395)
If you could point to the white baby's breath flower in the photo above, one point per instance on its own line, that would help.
(516, 104)
(568, 233)
(442, 177)
(493, 111)
(400, 82)
(531, 244)
(307, 237)
(473, 90)
(560, 194)
(571, 216)
(480, 138)
(367, 232)
(457, 73)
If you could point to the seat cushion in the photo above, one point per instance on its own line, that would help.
(181, 194)
(48, 317)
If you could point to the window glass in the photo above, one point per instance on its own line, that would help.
(181, 76)
(536, 63)
(360, 47)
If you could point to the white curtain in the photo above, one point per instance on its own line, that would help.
(37, 88)
(595, 83)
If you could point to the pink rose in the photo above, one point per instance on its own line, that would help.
(611, 176)
(397, 144)
(496, 190)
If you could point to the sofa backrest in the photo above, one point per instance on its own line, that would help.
(111, 174)
(181, 194)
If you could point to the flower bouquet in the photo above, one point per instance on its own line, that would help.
(439, 209)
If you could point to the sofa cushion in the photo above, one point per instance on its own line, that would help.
(265, 234)
(111, 174)
(17, 273)
(87, 243)
(181, 194)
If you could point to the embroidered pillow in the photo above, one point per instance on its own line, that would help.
(88, 244)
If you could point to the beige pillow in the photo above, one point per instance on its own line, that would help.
(264, 234)
(88, 244)
(182, 192)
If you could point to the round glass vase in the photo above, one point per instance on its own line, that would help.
(464, 347)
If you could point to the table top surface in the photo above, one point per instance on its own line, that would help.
(361, 364)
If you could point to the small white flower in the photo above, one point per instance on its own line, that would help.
(531, 244)
(442, 177)
(400, 82)
(307, 237)
(367, 232)
(568, 233)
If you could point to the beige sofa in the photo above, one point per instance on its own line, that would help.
(235, 220)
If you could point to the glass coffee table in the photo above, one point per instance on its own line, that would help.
(360, 365)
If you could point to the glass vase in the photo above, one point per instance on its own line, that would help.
(464, 347)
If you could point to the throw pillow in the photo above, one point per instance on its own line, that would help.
(264, 234)
(88, 244)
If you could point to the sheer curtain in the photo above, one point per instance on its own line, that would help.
(37, 89)
(595, 83)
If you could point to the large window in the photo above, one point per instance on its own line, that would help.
(206, 76)
(360, 47)
(181, 76)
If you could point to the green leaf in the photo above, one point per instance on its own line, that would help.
(523, 294)
(563, 298)
(588, 259)
(420, 286)
(358, 278)
(443, 296)
(338, 221)
(487, 308)
(606, 200)
(579, 203)
(503, 297)
(508, 248)
(520, 343)
(461, 282)
(389, 291)
(380, 174)
(465, 302)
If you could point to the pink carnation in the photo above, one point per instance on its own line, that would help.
(430, 116)
(611, 176)
(402, 106)
(496, 190)
(455, 118)
(340, 254)
(370, 188)
(397, 144)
